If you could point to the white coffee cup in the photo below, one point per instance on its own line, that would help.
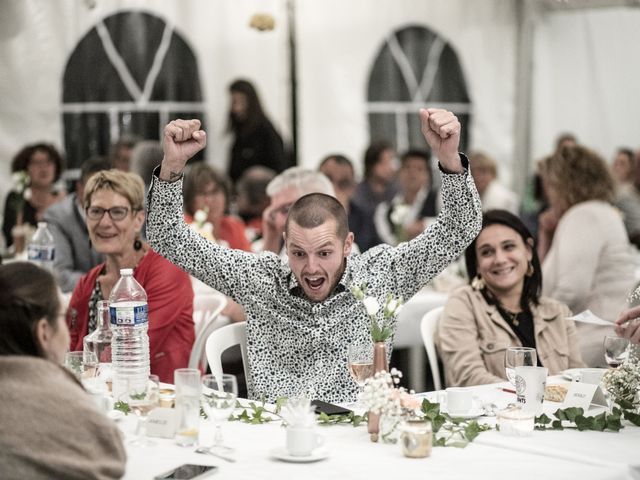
(459, 400)
(530, 383)
(302, 441)
(592, 376)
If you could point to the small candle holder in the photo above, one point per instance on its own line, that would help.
(514, 421)
(416, 438)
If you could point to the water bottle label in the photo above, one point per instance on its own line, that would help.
(134, 315)
(41, 253)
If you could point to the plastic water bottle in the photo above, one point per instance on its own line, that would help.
(42, 249)
(130, 342)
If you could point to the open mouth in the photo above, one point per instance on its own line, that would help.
(314, 283)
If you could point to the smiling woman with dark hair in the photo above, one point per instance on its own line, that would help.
(503, 307)
(51, 427)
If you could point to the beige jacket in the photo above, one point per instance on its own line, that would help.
(472, 338)
(50, 426)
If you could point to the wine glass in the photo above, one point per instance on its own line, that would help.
(219, 401)
(81, 364)
(518, 357)
(142, 399)
(360, 358)
(616, 350)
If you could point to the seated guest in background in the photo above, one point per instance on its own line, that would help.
(493, 194)
(283, 191)
(145, 156)
(407, 214)
(114, 209)
(120, 153)
(66, 221)
(252, 199)
(51, 428)
(378, 186)
(339, 170)
(302, 315)
(208, 191)
(22, 211)
(628, 192)
(587, 260)
(623, 167)
(503, 307)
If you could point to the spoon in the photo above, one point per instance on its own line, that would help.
(207, 450)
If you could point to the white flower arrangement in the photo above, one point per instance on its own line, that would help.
(381, 328)
(398, 216)
(382, 396)
(623, 383)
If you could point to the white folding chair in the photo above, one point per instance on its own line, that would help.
(223, 338)
(428, 326)
(206, 309)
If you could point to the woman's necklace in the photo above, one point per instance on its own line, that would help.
(513, 316)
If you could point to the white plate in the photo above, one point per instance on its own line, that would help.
(281, 453)
(575, 374)
(475, 412)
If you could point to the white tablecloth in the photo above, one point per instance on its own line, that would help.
(565, 454)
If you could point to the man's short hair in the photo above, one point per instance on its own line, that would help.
(305, 180)
(314, 209)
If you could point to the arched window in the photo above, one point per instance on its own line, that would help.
(129, 75)
(415, 68)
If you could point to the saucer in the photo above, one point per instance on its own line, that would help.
(281, 453)
(475, 412)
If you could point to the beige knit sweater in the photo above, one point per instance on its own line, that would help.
(50, 428)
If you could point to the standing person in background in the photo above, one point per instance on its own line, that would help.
(627, 174)
(339, 170)
(582, 242)
(493, 194)
(256, 141)
(66, 221)
(377, 186)
(43, 165)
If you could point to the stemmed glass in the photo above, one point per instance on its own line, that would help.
(616, 350)
(218, 403)
(518, 357)
(360, 358)
(142, 399)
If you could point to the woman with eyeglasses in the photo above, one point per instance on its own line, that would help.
(114, 208)
(51, 428)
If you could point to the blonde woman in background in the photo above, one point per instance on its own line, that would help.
(586, 255)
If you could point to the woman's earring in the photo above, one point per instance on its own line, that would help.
(137, 244)
(530, 270)
(477, 283)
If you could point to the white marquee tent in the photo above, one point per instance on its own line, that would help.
(533, 69)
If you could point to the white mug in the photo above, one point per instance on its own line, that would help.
(459, 400)
(592, 376)
(530, 383)
(302, 441)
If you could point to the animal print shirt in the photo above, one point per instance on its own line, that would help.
(295, 346)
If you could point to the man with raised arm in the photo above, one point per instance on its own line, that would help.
(302, 316)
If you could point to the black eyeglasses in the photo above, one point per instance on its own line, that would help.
(116, 213)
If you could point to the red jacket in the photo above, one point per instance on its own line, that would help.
(170, 303)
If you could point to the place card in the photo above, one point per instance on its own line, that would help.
(583, 395)
(162, 423)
